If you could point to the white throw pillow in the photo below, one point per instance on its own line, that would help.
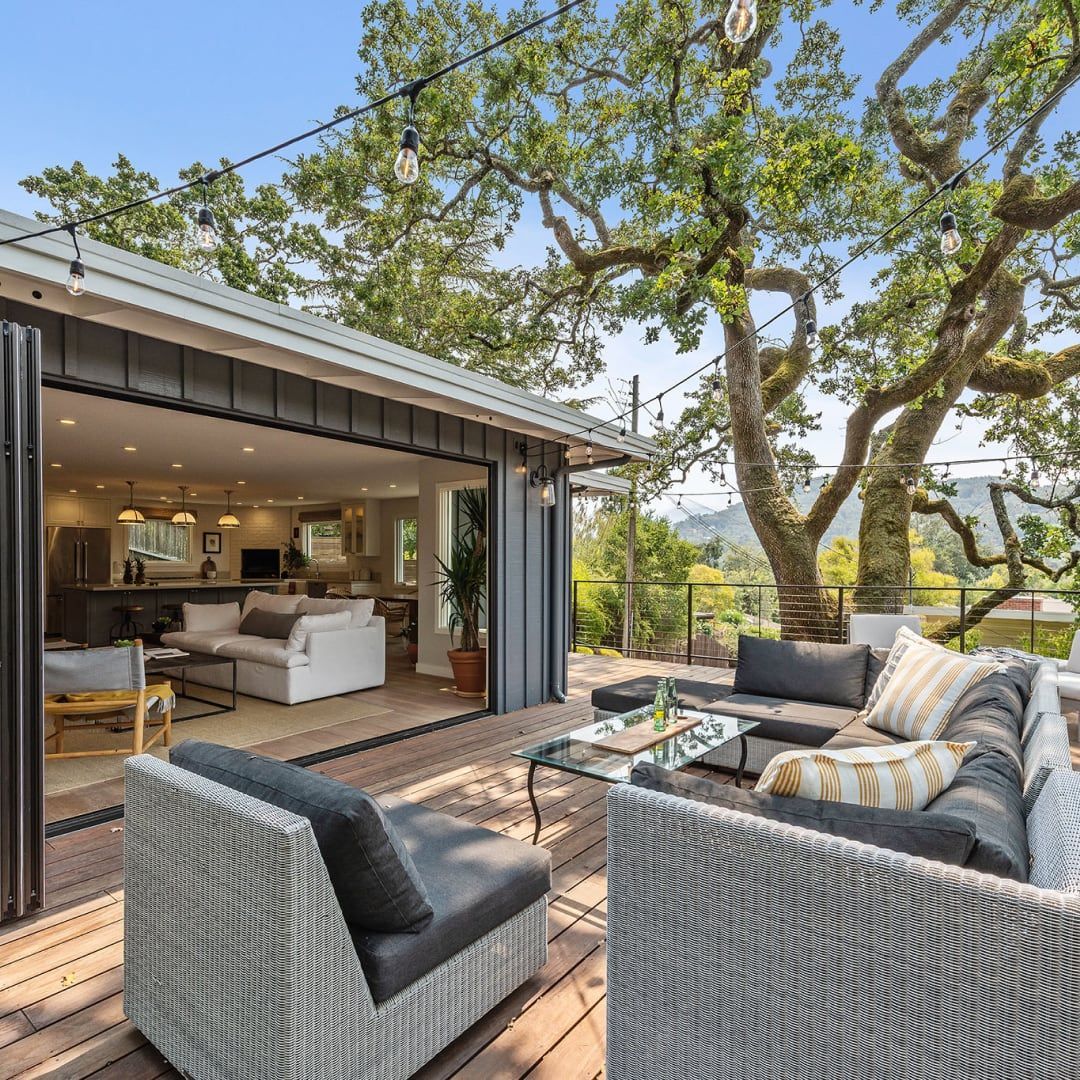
(201, 617)
(315, 624)
(923, 690)
(906, 776)
(360, 609)
(284, 603)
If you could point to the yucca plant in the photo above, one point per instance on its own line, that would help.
(461, 584)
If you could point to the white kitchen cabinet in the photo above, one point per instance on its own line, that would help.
(74, 510)
(360, 527)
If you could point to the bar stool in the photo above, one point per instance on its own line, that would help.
(127, 627)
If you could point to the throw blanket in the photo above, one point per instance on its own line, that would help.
(159, 697)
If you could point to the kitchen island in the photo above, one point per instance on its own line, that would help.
(89, 614)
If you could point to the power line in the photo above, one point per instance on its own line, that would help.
(409, 90)
(719, 535)
(941, 189)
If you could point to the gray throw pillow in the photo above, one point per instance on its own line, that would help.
(373, 875)
(915, 832)
(802, 671)
(268, 624)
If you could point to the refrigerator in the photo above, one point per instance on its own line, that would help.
(73, 556)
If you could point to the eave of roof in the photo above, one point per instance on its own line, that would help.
(139, 294)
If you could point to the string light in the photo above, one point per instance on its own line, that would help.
(407, 164)
(951, 240)
(1034, 473)
(76, 282)
(909, 485)
(206, 231)
(589, 450)
(522, 467)
(622, 433)
(660, 410)
(717, 390)
(741, 21)
(723, 478)
(809, 326)
(806, 481)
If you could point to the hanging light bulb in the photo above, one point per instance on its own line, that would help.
(950, 235)
(567, 452)
(909, 485)
(76, 282)
(588, 449)
(809, 325)
(806, 482)
(522, 467)
(723, 478)
(660, 410)
(407, 165)
(183, 517)
(622, 433)
(228, 520)
(729, 498)
(131, 514)
(1034, 473)
(206, 236)
(741, 21)
(716, 391)
(678, 503)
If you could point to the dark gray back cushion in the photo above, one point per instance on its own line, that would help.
(989, 714)
(875, 665)
(914, 832)
(633, 693)
(373, 875)
(269, 624)
(802, 671)
(987, 793)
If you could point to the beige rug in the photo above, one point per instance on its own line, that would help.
(254, 721)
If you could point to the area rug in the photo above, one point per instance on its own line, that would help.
(255, 721)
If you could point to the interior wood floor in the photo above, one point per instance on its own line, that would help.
(412, 700)
(61, 1007)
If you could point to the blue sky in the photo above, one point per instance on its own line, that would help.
(167, 84)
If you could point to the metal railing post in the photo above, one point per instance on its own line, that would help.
(1031, 646)
(690, 622)
(759, 603)
(840, 616)
(963, 619)
(573, 616)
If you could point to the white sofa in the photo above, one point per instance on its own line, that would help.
(328, 662)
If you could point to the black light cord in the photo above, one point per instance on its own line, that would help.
(949, 185)
(409, 90)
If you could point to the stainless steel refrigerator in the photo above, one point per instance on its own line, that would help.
(73, 556)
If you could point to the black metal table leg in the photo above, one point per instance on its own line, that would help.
(742, 761)
(532, 800)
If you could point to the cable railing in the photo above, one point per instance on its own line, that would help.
(700, 622)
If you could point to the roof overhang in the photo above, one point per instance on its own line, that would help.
(134, 293)
(593, 482)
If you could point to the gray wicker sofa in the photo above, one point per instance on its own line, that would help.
(745, 947)
(239, 961)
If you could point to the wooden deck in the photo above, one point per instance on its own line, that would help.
(61, 1007)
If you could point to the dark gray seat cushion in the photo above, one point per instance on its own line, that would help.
(633, 693)
(914, 832)
(859, 733)
(987, 793)
(803, 671)
(373, 875)
(476, 880)
(804, 722)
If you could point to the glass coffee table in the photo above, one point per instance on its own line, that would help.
(577, 752)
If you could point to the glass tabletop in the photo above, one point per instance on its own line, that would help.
(576, 751)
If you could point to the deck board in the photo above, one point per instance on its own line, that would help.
(61, 972)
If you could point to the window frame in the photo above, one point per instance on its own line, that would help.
(190, 563)
(444, 508)
(399, 554)
(305, 542)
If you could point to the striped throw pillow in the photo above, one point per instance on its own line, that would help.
(923, 690)
(906, 776)
(903, 641)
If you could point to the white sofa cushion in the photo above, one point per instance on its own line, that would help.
(281, 602)
(204, 641)
(360, 609)
(316, 624)
(262, 650)
(199, 617)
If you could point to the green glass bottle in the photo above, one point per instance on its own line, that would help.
(660, 706)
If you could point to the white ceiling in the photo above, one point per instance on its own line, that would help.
(283, 467)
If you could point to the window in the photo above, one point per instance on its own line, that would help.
(454, 523)
(159, 541)
(405, 551)
(322, 542)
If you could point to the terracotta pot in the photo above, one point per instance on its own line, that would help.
(470, 670)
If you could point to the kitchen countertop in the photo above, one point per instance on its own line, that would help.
(182, 584)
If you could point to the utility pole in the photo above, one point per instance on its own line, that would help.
(631, 527)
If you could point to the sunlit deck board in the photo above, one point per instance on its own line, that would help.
(61, 972)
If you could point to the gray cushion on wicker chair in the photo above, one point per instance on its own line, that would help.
(1047, 749)
(633, 693)
(989, 714)
(914, 832)
(476, 878)
(803, 670)
(374, 878)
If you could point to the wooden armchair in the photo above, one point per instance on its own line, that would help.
(395, 614)
(96, 688)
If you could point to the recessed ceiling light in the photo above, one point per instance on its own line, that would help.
(255, 505)
(100, 487)
(300, 497)
(363, 489)
(73, 491)
(177, 465)
(248, 449)
(164, 498)
(241, 481)
(193, 494)
(67, 421)
(131, 449)
(393, 485)
(269, 500)
(55, 465)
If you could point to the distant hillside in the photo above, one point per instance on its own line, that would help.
(972, 497)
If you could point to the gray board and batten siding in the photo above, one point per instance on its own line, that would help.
(530, 545)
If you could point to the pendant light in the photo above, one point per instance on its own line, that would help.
(228, 520)
(130, 515)
(183, 517)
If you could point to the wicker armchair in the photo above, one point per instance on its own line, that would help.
(238, 962)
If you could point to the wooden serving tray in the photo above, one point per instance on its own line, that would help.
(633, 740)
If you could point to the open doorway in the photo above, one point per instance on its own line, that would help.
(169, 527)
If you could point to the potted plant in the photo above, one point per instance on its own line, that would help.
(411, 634)
(140, 571)
(129, 571)
(293, 560)
(462, 582)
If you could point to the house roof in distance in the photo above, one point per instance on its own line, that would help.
(138, 294)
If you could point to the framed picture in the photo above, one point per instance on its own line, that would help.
(211, 543)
